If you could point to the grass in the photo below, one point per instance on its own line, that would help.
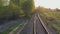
(50, 15)
(55, 26)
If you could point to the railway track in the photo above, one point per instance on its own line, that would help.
(39, 26)
(35, 26)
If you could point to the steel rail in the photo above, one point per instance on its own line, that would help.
(46, 29)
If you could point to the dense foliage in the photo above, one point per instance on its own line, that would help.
(28, 7)
(16, 8)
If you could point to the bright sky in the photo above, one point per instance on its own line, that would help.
(48, 3)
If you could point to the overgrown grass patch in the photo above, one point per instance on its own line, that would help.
(50, 17)
(56, 27)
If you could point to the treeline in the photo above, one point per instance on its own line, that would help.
(16, 9)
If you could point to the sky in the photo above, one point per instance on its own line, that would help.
(48, 3)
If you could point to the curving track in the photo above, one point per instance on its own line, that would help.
(35, 26)
(38, 27)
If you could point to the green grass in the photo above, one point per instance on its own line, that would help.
(56, 27)
(54, 15)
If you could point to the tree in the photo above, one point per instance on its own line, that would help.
(28, 7)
